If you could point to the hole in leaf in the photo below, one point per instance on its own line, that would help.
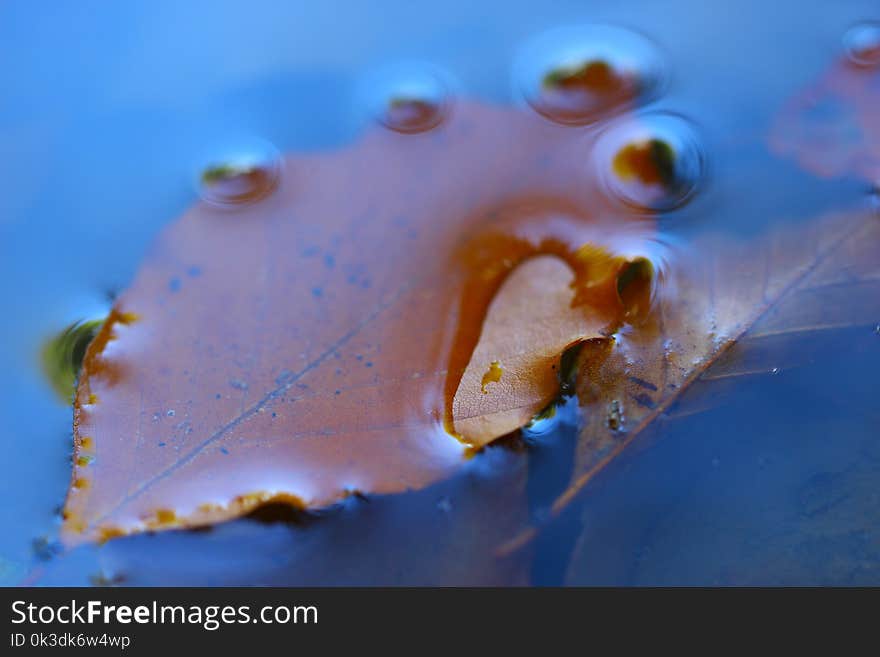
(568, 365)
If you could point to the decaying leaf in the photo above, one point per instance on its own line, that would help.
(310, 345)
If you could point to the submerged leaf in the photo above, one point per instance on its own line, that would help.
(832, 128)
(730, 305)
(802, 278)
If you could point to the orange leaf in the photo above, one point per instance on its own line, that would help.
(309, 345)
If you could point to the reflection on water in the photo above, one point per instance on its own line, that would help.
(774, 483)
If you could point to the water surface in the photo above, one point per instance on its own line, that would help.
(108, 111)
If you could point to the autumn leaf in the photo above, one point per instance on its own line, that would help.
(394, 305)
(732, 305)
(534, 318)
(724, 314)
(310, 345)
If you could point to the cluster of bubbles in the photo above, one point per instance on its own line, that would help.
(574, 76)
(582, 76)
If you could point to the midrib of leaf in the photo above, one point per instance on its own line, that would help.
(262, 403)
(579, 484)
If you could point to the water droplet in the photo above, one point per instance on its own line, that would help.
(862, 43)
(615, 418)
(408, 98)
(63, 354)
(243, 175)
(653, 161)
(578, 75)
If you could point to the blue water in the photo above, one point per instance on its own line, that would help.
(107, 108)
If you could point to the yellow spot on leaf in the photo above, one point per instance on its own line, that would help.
(492, 375)
(106, 532)
(165, 516)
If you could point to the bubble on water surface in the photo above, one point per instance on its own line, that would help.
(862, 43)
(242, 175)
(653, 161)
(578, 75)
(408, 98)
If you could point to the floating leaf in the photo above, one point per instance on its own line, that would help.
(396, 303)
(310, 346)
